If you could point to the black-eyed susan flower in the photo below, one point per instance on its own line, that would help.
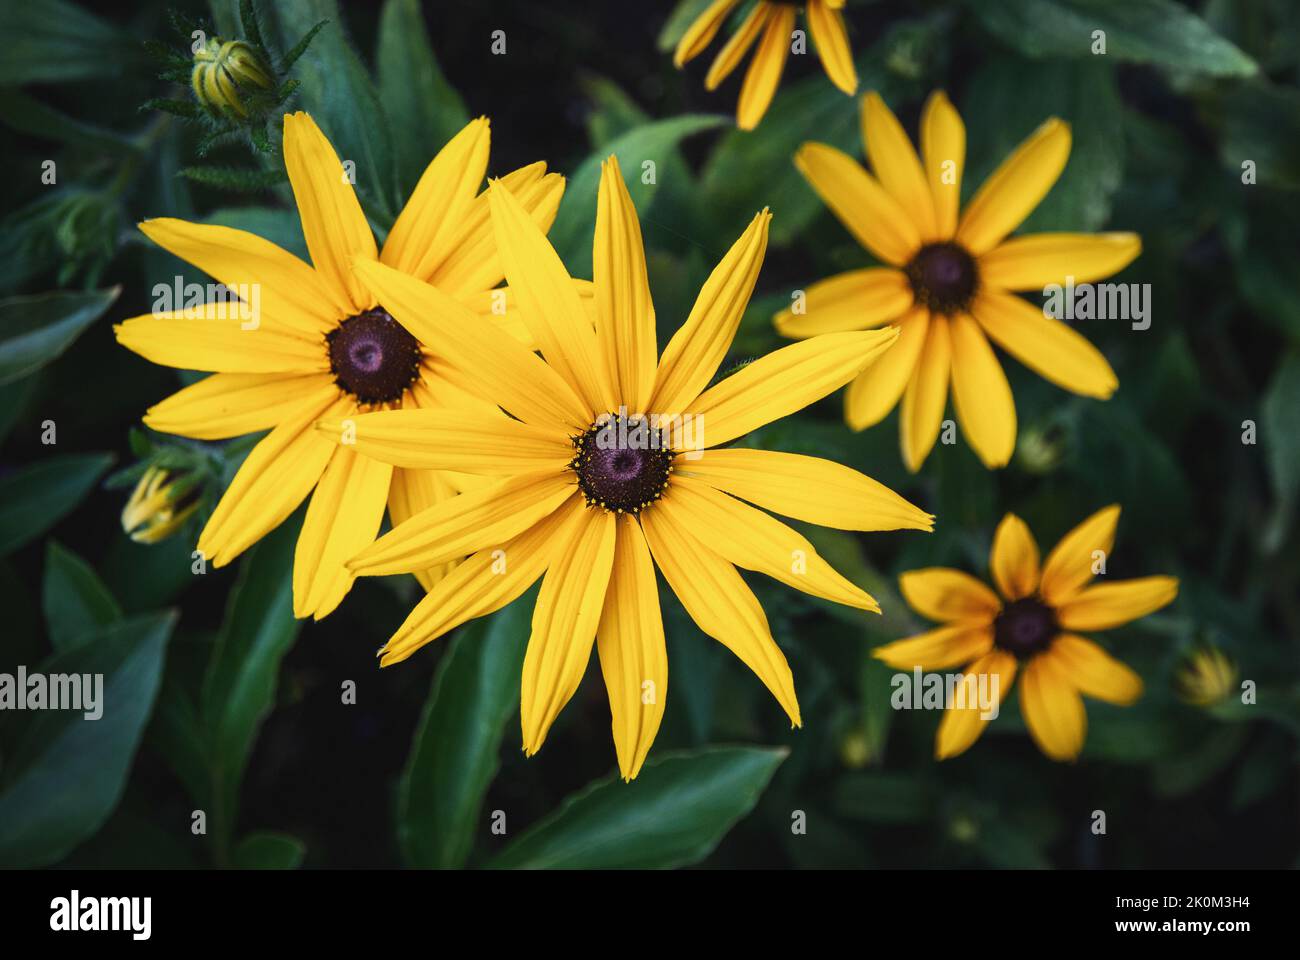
(1031, 626)
(950, 278)
(1206, 677)
(321, 345)
(770, 24)
(610, 465)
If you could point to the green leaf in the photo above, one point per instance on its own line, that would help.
(1159, 32)
(1009, 98)
(575, 224)
(31, 116)
(234, 179)
(36, 497)
(1261, 123)
(239, 689)
(36, 330)
(269, 851)
(672, 815)
(75, 600)
(455, 752)
(1281, 443)
(416, 94)
(68, 772)
(55, 41)
(13, 401)
(337, 91)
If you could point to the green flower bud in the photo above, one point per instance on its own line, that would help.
(1039, 450)
(227, 75)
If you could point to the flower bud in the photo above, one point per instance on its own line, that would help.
(1207, 677)
(160, 504)
(227, 75)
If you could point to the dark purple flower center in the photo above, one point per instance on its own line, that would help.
(943, 277)
(622, 464)
(373, 357)
(1025, 627)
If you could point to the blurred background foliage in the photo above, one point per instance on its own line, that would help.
(225, 704)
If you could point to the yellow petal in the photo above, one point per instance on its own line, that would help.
(273, 479)
(498, 308)
(472, 263)
(981, 394)
(829, 36)
(449, 440)
(926, 395)
(210, 339)
(806, 488)
(1013, 561)
(228, 405)
(702, 31)
(412, 492)
(857, 300)
(757, 541)
(698, 347)
(480, 585)
(1034, 262)
(937, 649)
(875, 391)
(457, 526)
(549, 302)
(1107, 605)
(630, 642)
(947, 595)
(859, 202)
(784, 381)
(734, 50)
(719, 601)
(343, 516)
(1049, 347)
(764, 73)
(290, 293)
(504, 369)
(1015, 188)
(422, 234)
(943, 152)
(1052, 709)
(1081, 552)
(564, 621)
(961, 726)
(1093, 671)
(895, 164)
(625, 324)
(332, 220)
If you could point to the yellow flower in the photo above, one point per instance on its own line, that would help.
(319, 344)
(1032, 629)
(1207, 678)
(948, 287)
(773, 21)
(159, 505)
(610, 465)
